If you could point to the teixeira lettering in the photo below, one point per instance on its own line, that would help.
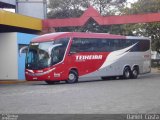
(89, 57)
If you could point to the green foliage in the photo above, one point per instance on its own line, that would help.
(145, 6)
(151, 30)
(65, 13)
(107, 7)
(66, 8)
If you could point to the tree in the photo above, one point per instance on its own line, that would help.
(105, 7)
(151, 30)
(66, 8)
(108, 7)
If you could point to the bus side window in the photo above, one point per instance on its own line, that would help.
(75, 46)
(73, 49)
(143, 45)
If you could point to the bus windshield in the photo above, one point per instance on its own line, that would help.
(44, 54)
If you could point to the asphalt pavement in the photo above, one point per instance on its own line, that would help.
(140, 95)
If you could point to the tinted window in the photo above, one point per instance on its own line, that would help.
(144, 45)
(84, 45)
(107, 45)
(141, 46)
(95, 45)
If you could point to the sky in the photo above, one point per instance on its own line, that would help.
(132, 1)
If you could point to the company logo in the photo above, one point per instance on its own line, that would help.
(89, 57)
(146, 56)
(57, 75)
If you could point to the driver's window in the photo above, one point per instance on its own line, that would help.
(56, 55)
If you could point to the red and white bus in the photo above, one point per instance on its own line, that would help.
(71, 55)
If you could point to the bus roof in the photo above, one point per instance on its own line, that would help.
(57, 35)
(136, 37)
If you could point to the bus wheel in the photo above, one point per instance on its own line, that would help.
(127, 73)
(134, 73)
(51, 82)
(72, 77)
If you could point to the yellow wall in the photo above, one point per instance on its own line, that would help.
(17, 20)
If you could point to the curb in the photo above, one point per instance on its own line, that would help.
(11, 81)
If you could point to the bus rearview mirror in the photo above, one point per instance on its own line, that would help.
(23, 50)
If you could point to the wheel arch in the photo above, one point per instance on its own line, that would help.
(75, 69)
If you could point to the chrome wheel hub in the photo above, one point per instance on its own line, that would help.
(71, 76)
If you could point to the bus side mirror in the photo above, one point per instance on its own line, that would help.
(23, 50)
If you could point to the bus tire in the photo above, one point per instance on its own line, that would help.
(135, 73)
(126, 73)
(72, 77)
